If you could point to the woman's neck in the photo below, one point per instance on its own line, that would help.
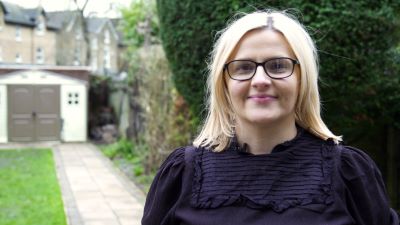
(262, 139)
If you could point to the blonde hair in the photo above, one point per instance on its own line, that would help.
(218, 128)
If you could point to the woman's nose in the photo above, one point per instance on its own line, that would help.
(260, 78)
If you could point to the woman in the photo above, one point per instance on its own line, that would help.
(264, 155)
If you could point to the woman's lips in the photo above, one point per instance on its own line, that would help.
(262, 98)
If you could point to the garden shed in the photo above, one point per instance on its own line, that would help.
(43, 103)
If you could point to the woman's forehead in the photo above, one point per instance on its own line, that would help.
(264, 43)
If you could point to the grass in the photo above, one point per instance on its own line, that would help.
(29, 190)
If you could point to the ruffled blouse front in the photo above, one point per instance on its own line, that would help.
(303, 181)
(296, 173)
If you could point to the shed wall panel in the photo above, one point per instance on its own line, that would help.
(74, 113)
(3, 114)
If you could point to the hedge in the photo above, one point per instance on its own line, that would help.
(356, 40)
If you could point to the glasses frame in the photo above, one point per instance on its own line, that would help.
(262, 64)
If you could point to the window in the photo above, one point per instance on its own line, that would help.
(77, 54)
(18, 58)
(73, 98)
(18, 35)
(39, 56)
(107, 57)
(94, 44)
(78, 34)
(40, 27)
(94, 63)
(106, 37)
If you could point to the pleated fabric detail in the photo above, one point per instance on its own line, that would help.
(296, 173)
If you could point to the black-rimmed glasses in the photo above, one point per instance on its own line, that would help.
(276, 68)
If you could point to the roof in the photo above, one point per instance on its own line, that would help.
(96, 24)
(59, 18)
(78, 72)
(16, 14)
(22, 16)
(54, 20)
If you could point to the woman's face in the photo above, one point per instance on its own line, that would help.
(263, 100)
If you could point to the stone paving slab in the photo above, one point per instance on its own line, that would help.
(101, 193)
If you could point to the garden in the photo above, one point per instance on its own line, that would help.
(168, 45)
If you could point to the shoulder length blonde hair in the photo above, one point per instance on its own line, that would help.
(218, 127)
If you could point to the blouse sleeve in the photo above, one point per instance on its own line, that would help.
(165, 190)
(366, 196)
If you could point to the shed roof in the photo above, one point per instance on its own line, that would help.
(77, 72)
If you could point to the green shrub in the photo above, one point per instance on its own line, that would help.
(123, 147)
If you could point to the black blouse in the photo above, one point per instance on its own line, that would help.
(303, 181)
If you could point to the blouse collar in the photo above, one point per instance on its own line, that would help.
(235, 145)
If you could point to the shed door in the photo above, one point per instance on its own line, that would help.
(34, 112)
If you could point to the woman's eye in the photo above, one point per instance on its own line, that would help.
(244, 68)
(277, 67)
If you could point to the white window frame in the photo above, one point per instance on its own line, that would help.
(18, 33)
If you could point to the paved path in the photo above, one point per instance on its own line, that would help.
(94, 191)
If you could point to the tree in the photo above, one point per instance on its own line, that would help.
(158, 121)
(140, 24)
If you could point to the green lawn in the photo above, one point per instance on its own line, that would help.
(29, 190)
